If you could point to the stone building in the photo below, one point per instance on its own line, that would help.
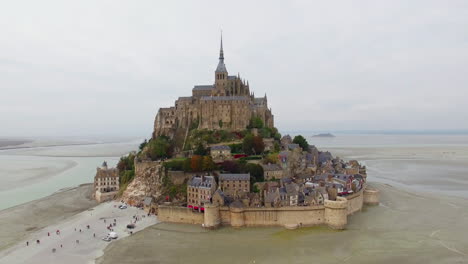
(200, 190)
(272, 172)
(106, 183)
(226, 104)
(233, 184)
(220, 153)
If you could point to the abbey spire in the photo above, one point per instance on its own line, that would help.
(221, 67)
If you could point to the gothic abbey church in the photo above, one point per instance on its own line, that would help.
(227, 104)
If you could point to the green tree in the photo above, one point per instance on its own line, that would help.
(256, 122)
(208, 164)
(247, 144)
(256, 172)
(301, 141)
(187, 165)
(200, 150)
(143, 144)
(159, 148)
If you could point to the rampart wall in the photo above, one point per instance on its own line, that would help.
(332, 213)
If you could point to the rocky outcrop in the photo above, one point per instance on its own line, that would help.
(148, 181)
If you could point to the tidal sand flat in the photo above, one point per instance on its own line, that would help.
(22, 221)
(405, 228)
(37, 171)
(77, 243)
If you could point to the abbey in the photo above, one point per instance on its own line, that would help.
(226, 104)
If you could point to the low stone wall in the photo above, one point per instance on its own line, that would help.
(179, 215)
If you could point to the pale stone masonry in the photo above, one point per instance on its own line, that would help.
(272, 172)
(106, 183)
(200, 190)
(227, 104)
(233, 184)
(220, 153)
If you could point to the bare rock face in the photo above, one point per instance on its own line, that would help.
(147, 182)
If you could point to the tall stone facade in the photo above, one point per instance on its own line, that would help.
(227, 104)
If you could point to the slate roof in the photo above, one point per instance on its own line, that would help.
(220, 147)
(234, 177)
(232, 77)
(225, 98)
(203, 87)
(199, 183)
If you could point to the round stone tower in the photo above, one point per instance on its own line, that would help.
(336, 213)
(371, 196)
(237, 214)
(212, 218)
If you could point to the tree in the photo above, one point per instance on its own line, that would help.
(247, 144)
(230, 166)
(143, 144)
(301, 141)
(256, 172)
(220, 123)
(159, 148)
(256, 122)
(187, 165)
(200, 150)
(196, 163)
(271, 158)
(208, 164)
(258, 144)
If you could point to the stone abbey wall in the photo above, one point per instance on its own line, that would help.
(332, 213)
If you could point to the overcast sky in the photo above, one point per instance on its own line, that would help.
(105, 67)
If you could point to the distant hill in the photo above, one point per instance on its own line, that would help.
(324, 135)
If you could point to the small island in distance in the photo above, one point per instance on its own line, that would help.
(324, 135)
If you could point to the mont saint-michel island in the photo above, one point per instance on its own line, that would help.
(216, 159)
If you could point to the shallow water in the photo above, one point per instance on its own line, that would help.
(35, 172)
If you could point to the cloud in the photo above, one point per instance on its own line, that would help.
(105, 67)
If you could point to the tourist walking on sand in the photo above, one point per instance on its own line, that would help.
(48, 233)
(27, 243)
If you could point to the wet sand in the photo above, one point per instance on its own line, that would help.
(405, 228)
(76, 244)
(21, 221)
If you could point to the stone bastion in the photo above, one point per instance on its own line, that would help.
(332, 213)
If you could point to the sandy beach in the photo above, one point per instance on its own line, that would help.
(76, 243)
(23, 220)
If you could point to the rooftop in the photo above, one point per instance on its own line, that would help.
(234, 177)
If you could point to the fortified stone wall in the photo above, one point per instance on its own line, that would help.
(332, 213)
(355, 202)
(371, 196)
(179, 215)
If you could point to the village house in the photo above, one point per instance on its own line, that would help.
(272, 172)
(233, 184)
(285, 141)
(200, 190)
(106, 183)
(220, 153)
(269, 144)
